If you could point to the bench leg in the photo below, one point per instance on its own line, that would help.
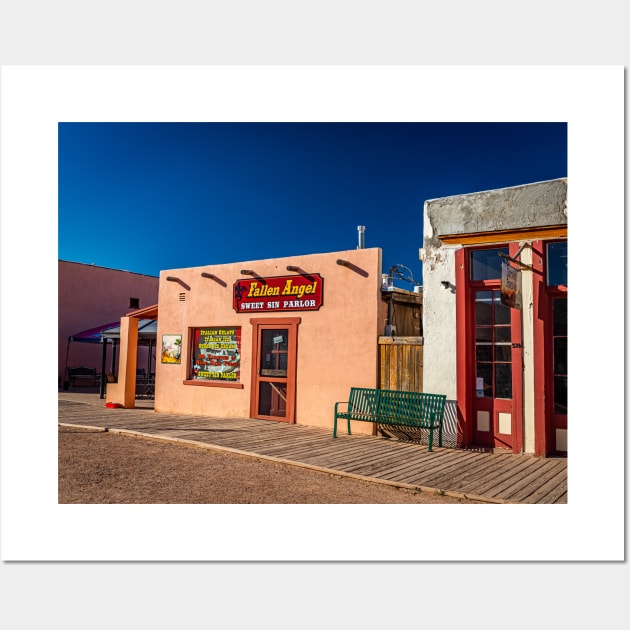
(431, 439)
(349, 433)
(440, 436)
(335, 428)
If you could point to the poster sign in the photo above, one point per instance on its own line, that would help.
(479, 386)
(281, 293)
(217, 354)
(171, 349)
(511, 294)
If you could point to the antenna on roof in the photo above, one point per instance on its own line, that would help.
(361, 230)
(402, 272)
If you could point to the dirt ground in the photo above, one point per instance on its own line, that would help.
(103, 467)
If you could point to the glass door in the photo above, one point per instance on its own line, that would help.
(559, 387)
(273, 383)
(272, 374)
(493, 370)
(496, 356)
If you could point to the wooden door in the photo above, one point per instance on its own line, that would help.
(274, 369)
(498, 370)
(494, 354)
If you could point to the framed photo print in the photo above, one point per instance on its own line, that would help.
(171, 348)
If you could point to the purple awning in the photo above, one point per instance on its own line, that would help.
(93, 335)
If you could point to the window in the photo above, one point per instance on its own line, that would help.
(216, 354)
(560, 378)
(485, 264)
(493, 346)
(134, 302)
(557, 264)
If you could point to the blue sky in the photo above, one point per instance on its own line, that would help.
(196, 194)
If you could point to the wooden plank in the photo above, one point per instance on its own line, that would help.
(371, 465)
(348, 456)
(527, 485)
(437, 467)
(526, 480)
(559, 495)
(442, 474)
(508, 480)
(400, 341)
(549, 491)
(493, 476)
(421, 462)
(489, 464)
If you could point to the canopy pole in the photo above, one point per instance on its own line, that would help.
(103, 363)
(113, 368)
(66, 381)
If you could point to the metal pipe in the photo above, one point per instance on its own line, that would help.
(361, 229)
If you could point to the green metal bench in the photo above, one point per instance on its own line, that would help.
(396, 408)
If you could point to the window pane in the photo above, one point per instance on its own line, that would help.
(484, 388)
(272, 399)
(484, 352)
(485, 264)
(216, 354)
(483, 333)
(560, 355)
(503, 352)
(503, 375)
(560, 317)
(275, 339)
(483, 308)
(502, 314)
(560, 394)
(502, 333)
(557, 264)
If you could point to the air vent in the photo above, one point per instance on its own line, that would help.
(182, 297)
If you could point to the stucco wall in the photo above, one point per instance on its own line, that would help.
(90, 296)
(438, 265)
(528, 206)
(336, 347)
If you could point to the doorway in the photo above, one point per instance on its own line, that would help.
(495, 348)
(497, 374)
(274, 368)
(558, 375)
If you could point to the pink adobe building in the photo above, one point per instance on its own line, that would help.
(91, 296)
(278, 339)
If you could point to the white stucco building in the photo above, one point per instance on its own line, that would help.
(502, 365)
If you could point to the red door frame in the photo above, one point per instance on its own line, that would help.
(290, 323)
(543, 352)
(541, 431)
(464, 359)
(465, 331)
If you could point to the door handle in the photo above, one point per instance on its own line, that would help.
(517, 345)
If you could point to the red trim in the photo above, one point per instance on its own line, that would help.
(463, 357)
(518, 412)
(541, 439)
(291, 324)
(465, 331)
(200, 383)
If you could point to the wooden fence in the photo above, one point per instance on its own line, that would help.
(400, 363)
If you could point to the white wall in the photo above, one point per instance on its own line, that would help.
(439, 323)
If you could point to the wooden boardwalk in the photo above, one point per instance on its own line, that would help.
(490, 477)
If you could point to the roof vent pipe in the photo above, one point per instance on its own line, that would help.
(361, 229)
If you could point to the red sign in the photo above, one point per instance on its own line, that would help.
(282, 293)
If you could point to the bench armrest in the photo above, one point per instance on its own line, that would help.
(343, 402)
